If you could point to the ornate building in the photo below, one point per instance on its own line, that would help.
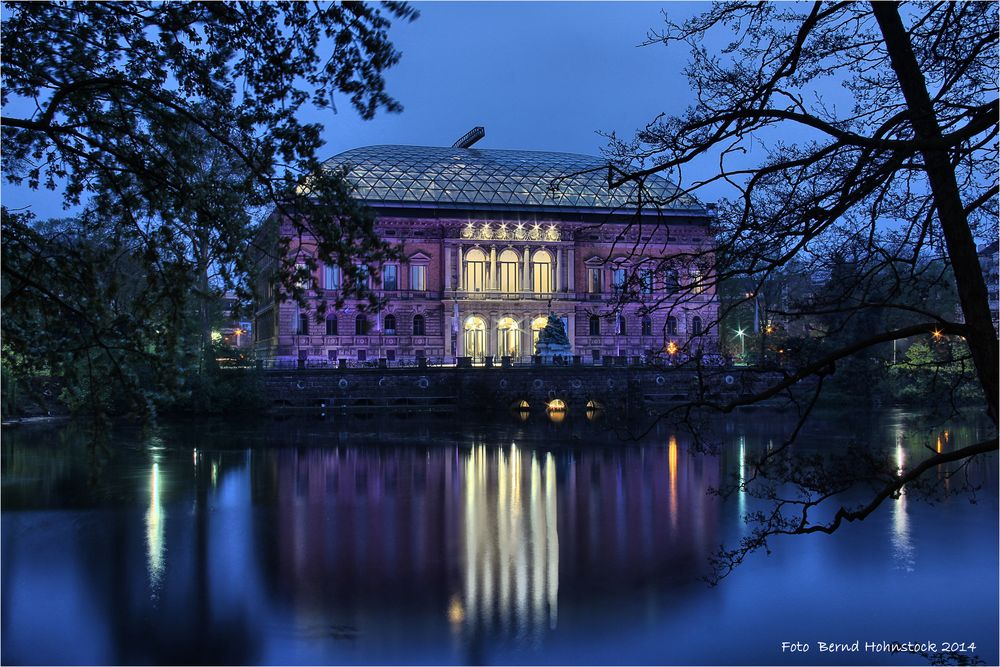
(492, 242)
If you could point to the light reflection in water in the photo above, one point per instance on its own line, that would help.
(672, 471)
(741, 494)
(902, 543)
(511, 575)
(155, 520)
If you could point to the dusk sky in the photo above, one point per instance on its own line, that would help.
(538, 76)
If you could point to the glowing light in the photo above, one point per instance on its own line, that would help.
(937, 334)
(456, 612)
(216, 336)
(155, 519)
(672, 348)
(557, 404)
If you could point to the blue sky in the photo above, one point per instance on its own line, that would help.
(538, 76)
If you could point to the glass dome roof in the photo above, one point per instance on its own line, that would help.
(468, 176)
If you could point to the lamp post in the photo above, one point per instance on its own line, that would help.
(742, 336)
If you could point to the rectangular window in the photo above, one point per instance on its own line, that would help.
(510, 277)
(363, 277)
(418, 278)
(420, 354)
(594, 278)
(697, 282)
(390, 281)
(331, 277)
(331, 355)
(646, 281)
(390, 355)
(362, 355)
(618, 280)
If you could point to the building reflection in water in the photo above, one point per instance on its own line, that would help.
(486, 539)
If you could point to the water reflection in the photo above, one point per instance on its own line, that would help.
(155, 524)
(511, 577)
(404, 548)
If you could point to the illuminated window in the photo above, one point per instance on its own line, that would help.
(418, 277)
(331, 277)
(537, 325)
(475, 337)
(510, 276)
(363, 277)
(646, 281)
(670, 282)
(390, 279)
(300, 269)
(618, 278)
(697, 282)
(508, 338)
(541, 272)
(594, 279)
(475, 270)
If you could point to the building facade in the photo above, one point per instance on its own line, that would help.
(492, 242)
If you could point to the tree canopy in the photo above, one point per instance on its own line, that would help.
(174, 127)
(898, 107)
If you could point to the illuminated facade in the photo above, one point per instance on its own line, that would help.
(494, 240)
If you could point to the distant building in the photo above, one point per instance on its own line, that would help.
(989, 262)
(490, 248)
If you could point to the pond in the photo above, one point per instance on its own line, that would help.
(440, 540)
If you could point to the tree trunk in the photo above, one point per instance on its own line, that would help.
(971, 285)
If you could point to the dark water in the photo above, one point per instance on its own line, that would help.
(431, 541)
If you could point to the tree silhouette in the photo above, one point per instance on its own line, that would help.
(898, 108)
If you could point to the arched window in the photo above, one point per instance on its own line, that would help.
(475, 337)
(647, 326)
(696, 326)
(361, 326)
(303, 324)
(621, 326)
(507, 269)
(671, 326)
(595, 325)
(418, 325)
(537, 325)
(508, 337)
(475, 270)
(541, 272)
(390, 325)
(331, 325)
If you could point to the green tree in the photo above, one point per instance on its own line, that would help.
(175, 126)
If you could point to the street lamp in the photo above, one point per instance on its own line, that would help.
(742, 336)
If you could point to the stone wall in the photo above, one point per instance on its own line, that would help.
(490, 389)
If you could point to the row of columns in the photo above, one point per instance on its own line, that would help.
(492, 278)
(492, 332)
